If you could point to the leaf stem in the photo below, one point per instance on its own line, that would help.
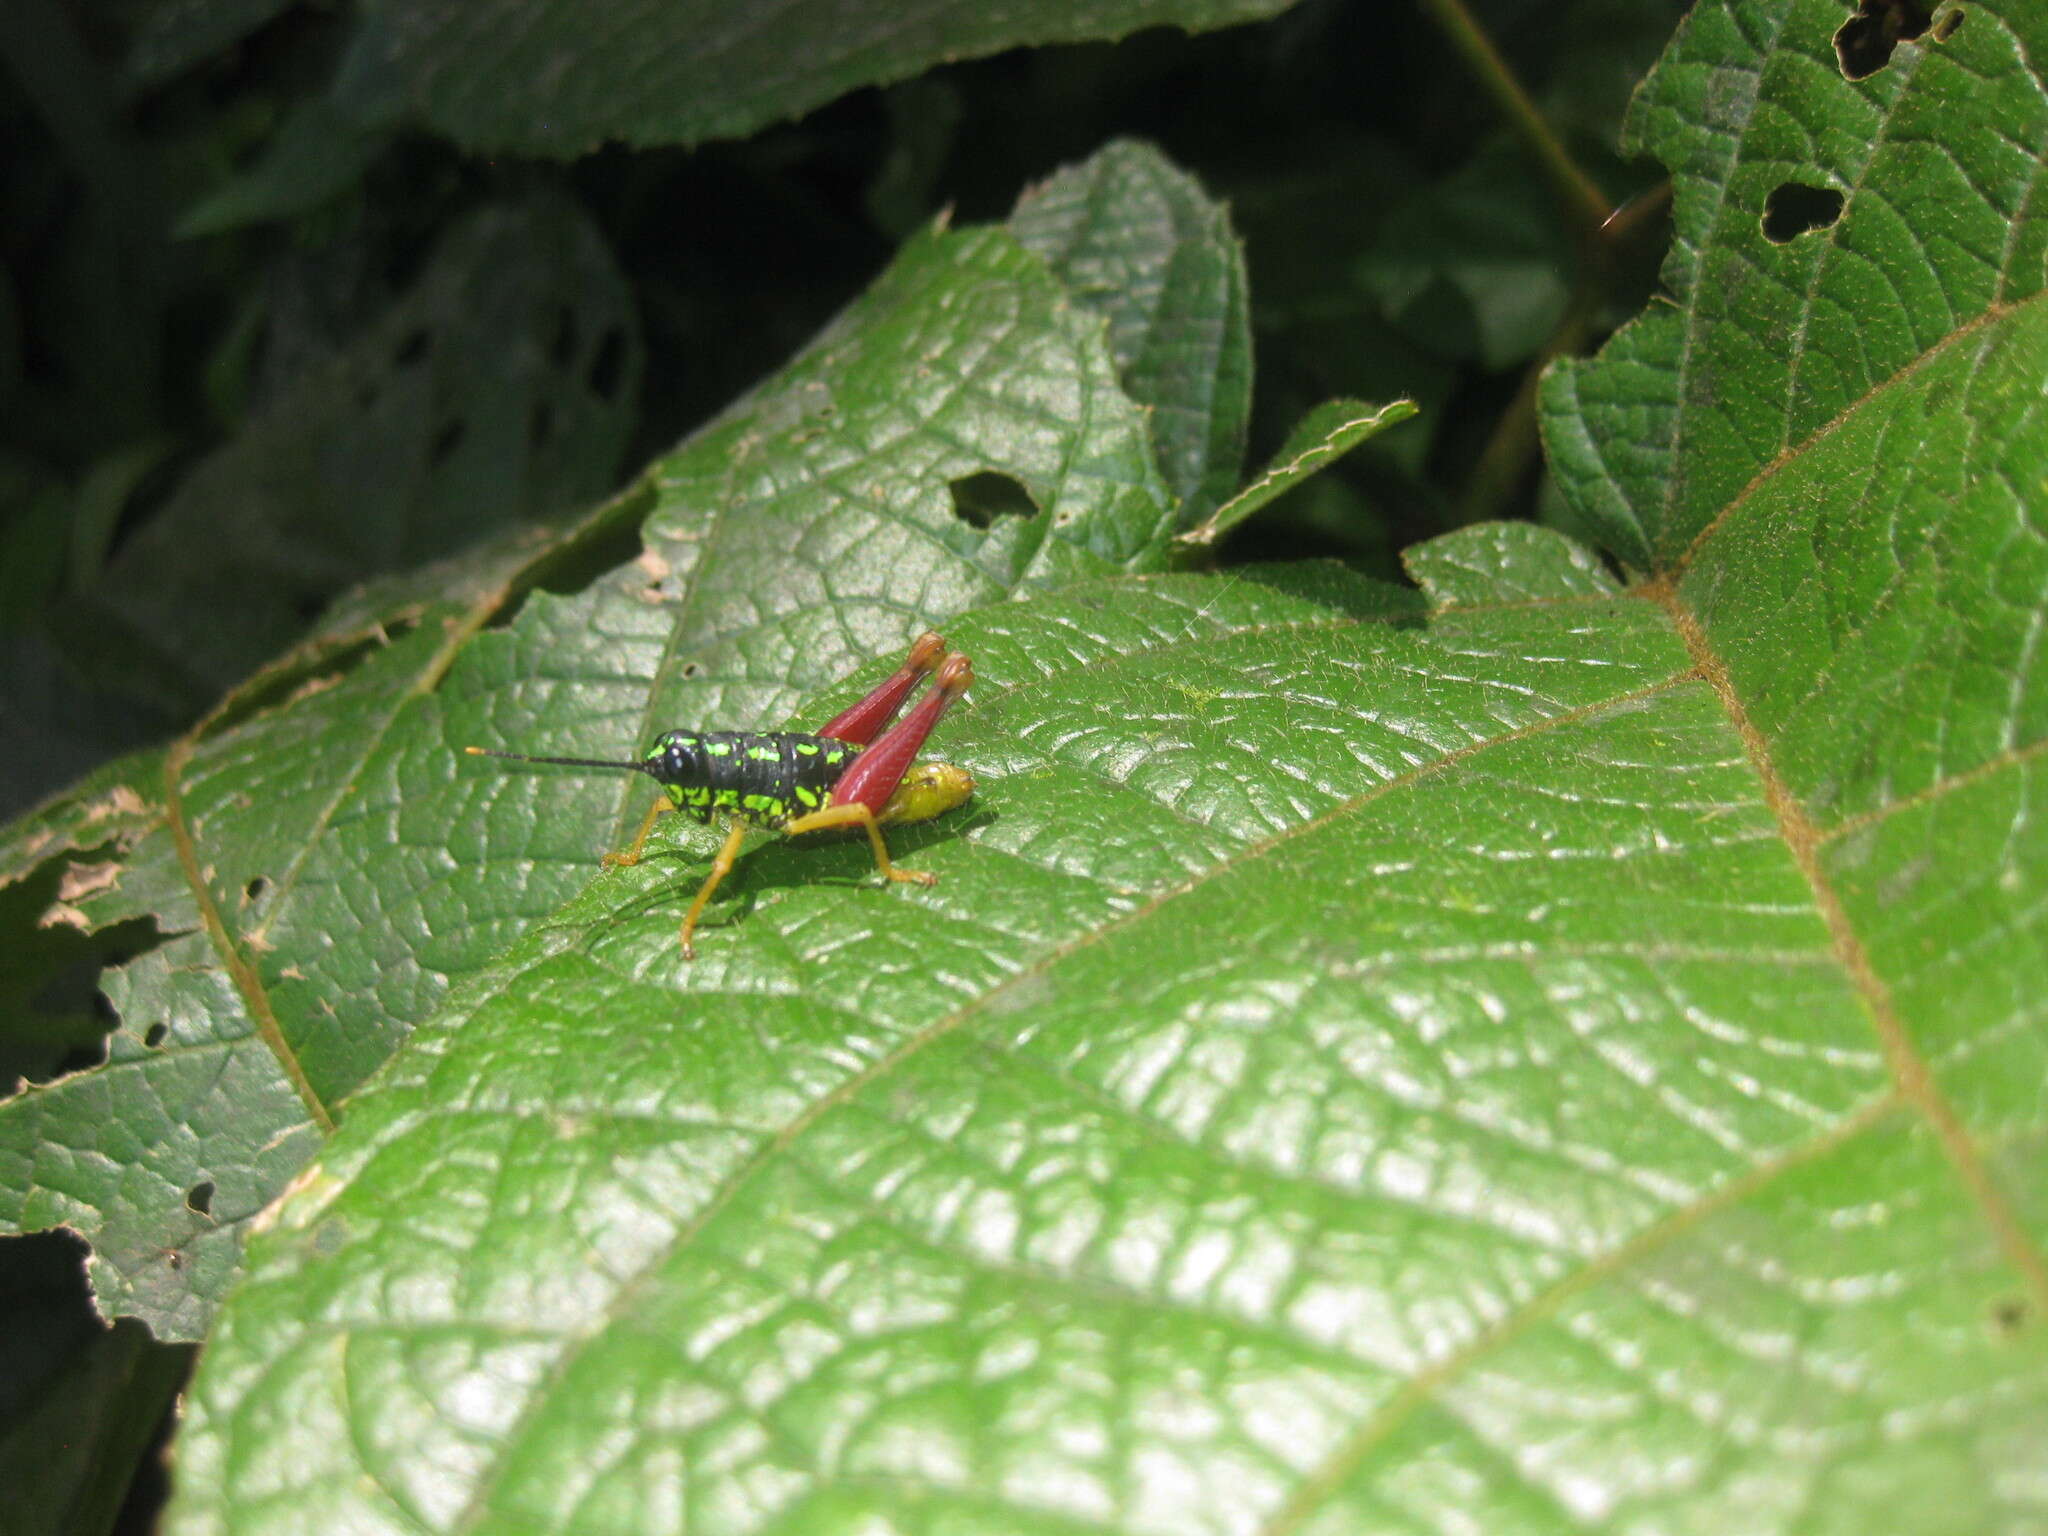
(1584, 202)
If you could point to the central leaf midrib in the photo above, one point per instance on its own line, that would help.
(1788, 457)
(1910, 1071)
(241, 973)
(242, 970)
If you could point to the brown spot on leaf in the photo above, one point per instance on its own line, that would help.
(123, 801)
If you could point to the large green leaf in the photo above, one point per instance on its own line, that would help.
(1354, 1054)
(321, 868)
(1541, 1056)
(538, 77)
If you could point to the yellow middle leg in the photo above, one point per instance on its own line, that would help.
(632, 855)
(858, 815)
(721, 866)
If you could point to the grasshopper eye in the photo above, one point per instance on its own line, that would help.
(669, 743)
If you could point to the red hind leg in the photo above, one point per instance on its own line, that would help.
(860, 723)
(876, 773)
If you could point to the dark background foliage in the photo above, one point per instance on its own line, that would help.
(251, 355)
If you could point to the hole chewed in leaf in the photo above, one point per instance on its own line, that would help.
(58, 953)
(980, 498)
(1794, 208)
(1864, 43)
(79, 1059)
(1945, 28)
(254, 890)
(657, 588)
(156, 1035)
(199, 1197)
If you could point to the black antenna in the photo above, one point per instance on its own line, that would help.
(558, 762)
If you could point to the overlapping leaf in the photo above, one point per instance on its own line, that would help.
(1138, 239)
(542, 78)
(1770, 341)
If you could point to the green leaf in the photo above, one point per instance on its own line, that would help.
(1833, 455)
(535, 77)
(1474, 266)
(101, 499)
(322, 865)
(1768, 342)
(1137, 239)
(1321, 1030)
(320, 149)
(1506, 562)
(1321, 438)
